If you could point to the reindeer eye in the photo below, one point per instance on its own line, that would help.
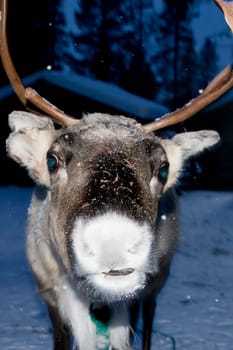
(163, 172)
(52, 162)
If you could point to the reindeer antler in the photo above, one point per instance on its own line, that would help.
(26, 94)
(227, 9)
(219, 85)
(216, 88)
(5, 56)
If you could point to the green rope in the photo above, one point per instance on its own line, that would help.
(165, 335)
(171, 339)
(102, 333)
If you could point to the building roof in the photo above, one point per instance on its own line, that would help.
(103, 92)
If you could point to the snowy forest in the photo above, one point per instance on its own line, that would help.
(145, 48)
(148, 53)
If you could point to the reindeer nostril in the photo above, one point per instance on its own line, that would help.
(87, 249)
(134, 249)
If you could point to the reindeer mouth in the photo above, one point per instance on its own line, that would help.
(122, 272)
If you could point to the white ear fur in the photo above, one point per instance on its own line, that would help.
(183, 146)
(195, 142)
(29, 142)
(174, 155)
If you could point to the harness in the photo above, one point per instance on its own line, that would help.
(100, 316)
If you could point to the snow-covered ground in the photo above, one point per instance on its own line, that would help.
(195, 309)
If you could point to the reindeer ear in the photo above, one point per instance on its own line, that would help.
(195, 142)
(29, 142)
(186, 145)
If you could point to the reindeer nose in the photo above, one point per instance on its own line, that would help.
(111, 253)
(113, 242)
(113, 239)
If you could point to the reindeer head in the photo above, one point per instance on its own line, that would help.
(105, 177)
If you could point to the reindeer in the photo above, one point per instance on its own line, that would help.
(103, 223)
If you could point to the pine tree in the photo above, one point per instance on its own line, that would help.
(116, 41)
(78, 38)
(207, 63)
(176, 59)
(107, 43)
(31, 35)
(138, 77)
